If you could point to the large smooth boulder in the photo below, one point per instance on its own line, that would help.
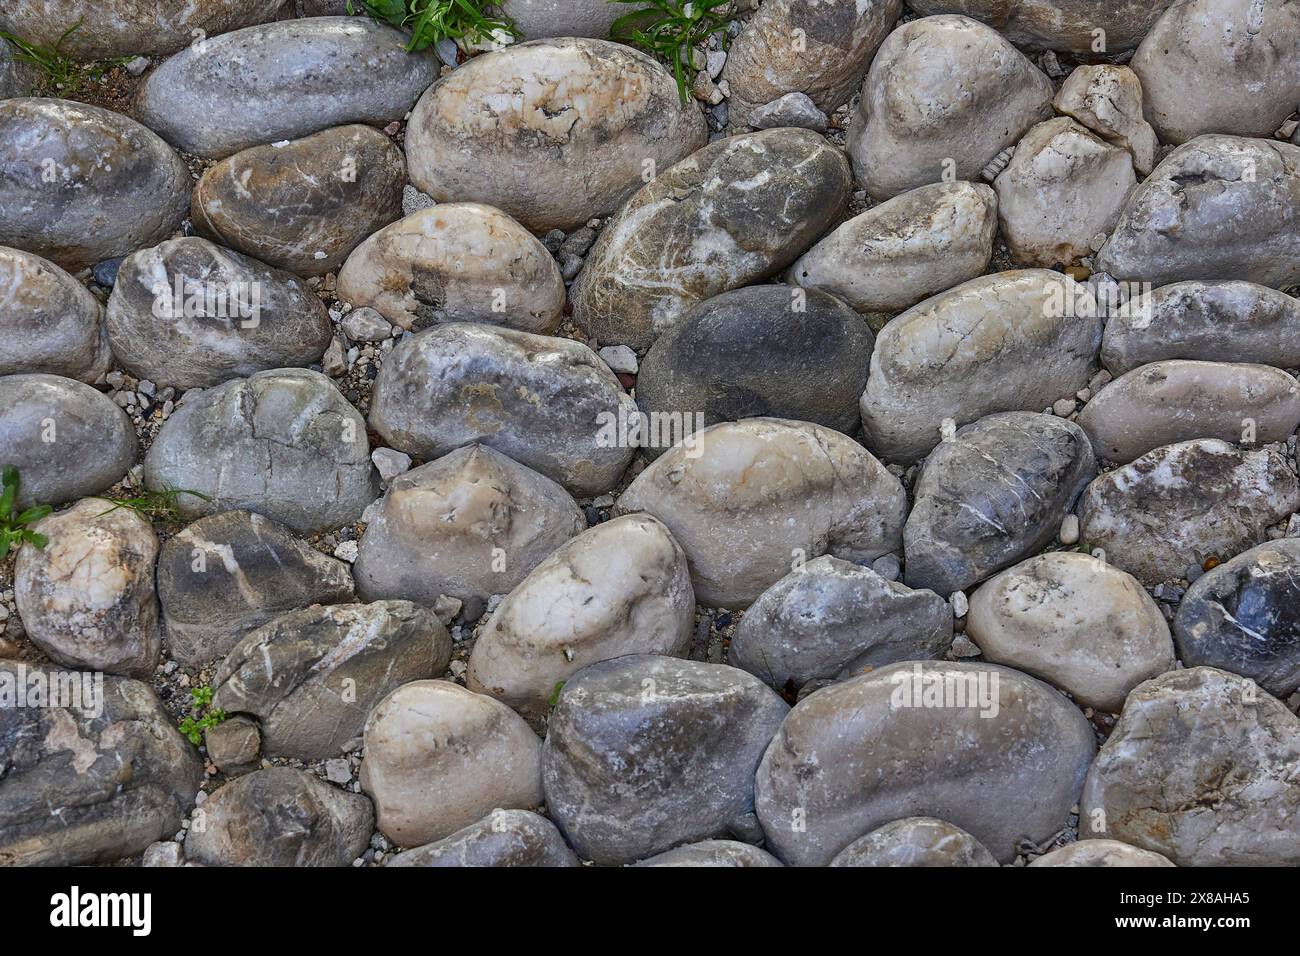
(94, 772)
(284, 443)
(303, 205)
(84, 184)
(643, 753)
(733, 214)
(503, 838)
(282, 81)
(510, 128)
(49, 322)
(1014, 341)
(456, 262)
(472, 524)
(1219, 207)
(536, 398)
(1070, 25)
(915, 841)
(747, 501)
(66, 439)
(988, 749)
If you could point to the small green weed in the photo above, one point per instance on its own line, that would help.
(202, 715)
(432, 20)
(670, 30)
(14, 530)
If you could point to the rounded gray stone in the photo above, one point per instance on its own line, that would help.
(1059, 24)
(538, 19)
(49, 322)
(915, 841)
(1103, 853)
(504, 838)
(713, 853)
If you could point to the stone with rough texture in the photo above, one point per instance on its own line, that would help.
(1219, 207)
(1075, 622)
(839, 38)
(442, 527)
(504, 838)
(303, 205)
(510, 128)
(748, 500)
(1167, 402)
(192, 314)
(1100, 853)
(712, 853)
(1205, 320)
(87, 598)
(283, 443)
(66, 439)
(1243, 616)
(1004, 764)
(993, 494)
(538, 399)
(232, 572)
(538, 19)
(915, 841)
(456, 262)
(282, 81)
(280, 817)
(49, 322)
(1108, 100)
(831, 618)
(440, 757)
(16, 77)
(117, 769)
(944, 96)
(1182, 504)
(735, 213)
(643, 753)
(1201, 769)
(1059, 24)
(911, 247)
(620, 588)
(83, 184)
(793, 109)
(1013, 341)
(310, 677)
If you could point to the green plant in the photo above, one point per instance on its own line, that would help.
(64, 72)
(13, 523)
(202, 715)
(160, 505)
(670, 30)
(432, 20)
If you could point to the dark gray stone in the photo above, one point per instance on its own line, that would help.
(504, 838)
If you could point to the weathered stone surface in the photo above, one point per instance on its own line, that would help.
(915, 841)
(1100, 853)
(504, 838)
(440, 757)
(49, 322)
(944, 96)
(621, 588)
(442, 527)
(1063, 187)
(83, 184)
(538, 19)
(87, 598)
(283, 443)
(538, 399)
(759, 351)
(310, 677)
(1077, 623)
(713, 853)
(643, 753)
(303, 205)
(1108, 100)
(733, 214)
(1219, 207)
(1003, 763)
(232, 572)
(1244, 617)
(511, 127)
(1205, 320)
(1014, 341)
(66, 439)
(234, 745)
(1184, 503)
(458, 262)
(746, 500)
(1200, 768)
(793, 109)
(1205, 59)
(1059, 24)
(831, 618)
(906, 249)
(1167, 402)
(113, 28)
(282, 81)
(839, 39)
(192, 314)
(16, 77)
(991, 495)
(281, 817)
(71, 756)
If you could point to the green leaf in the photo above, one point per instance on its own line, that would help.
(10, 492)
(37, 541)
(33, 515)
